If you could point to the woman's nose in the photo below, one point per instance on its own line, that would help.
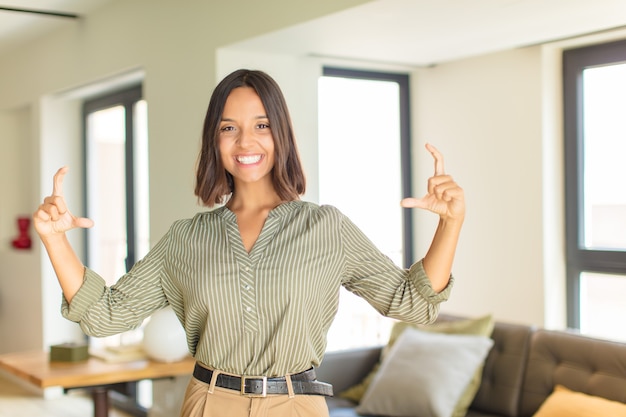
(245, 138)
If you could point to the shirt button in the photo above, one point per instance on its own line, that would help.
(247, 269)
(247, 287)
(248, 309)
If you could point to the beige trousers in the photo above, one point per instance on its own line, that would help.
(199, 402)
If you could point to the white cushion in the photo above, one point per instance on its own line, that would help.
(424, 374)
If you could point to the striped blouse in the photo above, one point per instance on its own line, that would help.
(266, 312)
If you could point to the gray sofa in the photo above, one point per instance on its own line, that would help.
(520, 372)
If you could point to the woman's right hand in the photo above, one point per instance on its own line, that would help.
(52, 217)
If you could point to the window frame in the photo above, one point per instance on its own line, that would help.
(403, 82)
(578, 258)
(124, 396)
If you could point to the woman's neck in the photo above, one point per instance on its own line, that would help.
(253, 197)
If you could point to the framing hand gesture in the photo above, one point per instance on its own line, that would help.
(52, 217)
(444, 196)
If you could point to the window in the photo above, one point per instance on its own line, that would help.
(117, 181)
(116, 158)
(364, 157)
(595, 148)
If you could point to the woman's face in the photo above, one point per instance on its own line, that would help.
(246, 143)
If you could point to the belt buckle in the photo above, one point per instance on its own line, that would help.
(251, 394)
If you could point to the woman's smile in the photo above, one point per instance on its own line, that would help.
(248, 159)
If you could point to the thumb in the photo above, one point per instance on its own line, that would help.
(83, 222)
(412, 202)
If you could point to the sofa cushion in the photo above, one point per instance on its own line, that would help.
(566, 403)
(503, 372)
(582, 364)
(424, 374)
(480, 326)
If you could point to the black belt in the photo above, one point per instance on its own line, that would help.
(261, 386)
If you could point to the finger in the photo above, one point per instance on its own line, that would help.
(412, 202)
(53, 212)
(437, 181)
(56, 202)
(439, 188)
(57, 184)
(41, 214)
(439, 169)
(83, 222)
(454, 193)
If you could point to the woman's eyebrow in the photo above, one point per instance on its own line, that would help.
(227, 119)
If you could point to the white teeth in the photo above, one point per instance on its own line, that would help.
(249, 159)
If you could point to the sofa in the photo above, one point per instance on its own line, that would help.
(521, 371)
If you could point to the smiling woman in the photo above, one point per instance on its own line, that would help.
(255, 280)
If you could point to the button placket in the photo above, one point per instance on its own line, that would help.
(246, 261)
(248, 298)
(248, 283)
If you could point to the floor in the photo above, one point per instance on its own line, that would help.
(18, 401)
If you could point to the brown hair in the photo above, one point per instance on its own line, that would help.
(213, 182)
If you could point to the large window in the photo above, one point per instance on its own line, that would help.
(116, 158)
(364, 157)
(595, 154)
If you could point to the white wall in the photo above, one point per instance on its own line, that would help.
(19, 275)
(15, 138)
(484, 114)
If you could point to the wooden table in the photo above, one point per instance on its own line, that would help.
(93, 374)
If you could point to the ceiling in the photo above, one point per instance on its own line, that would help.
(407, 32)
(427, 32)
(19, 27)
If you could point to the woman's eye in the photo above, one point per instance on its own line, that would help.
(226, 129)
(263, 126)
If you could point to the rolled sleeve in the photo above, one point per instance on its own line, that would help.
(422, 284)
(88, 294)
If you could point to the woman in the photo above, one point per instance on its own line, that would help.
(255, 281)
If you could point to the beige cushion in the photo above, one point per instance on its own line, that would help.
(424, 374)
(566, 403)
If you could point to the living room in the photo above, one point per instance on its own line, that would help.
(496, 116)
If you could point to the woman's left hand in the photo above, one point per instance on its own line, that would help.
(444, 197)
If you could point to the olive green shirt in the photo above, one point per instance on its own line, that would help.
(266, 312)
